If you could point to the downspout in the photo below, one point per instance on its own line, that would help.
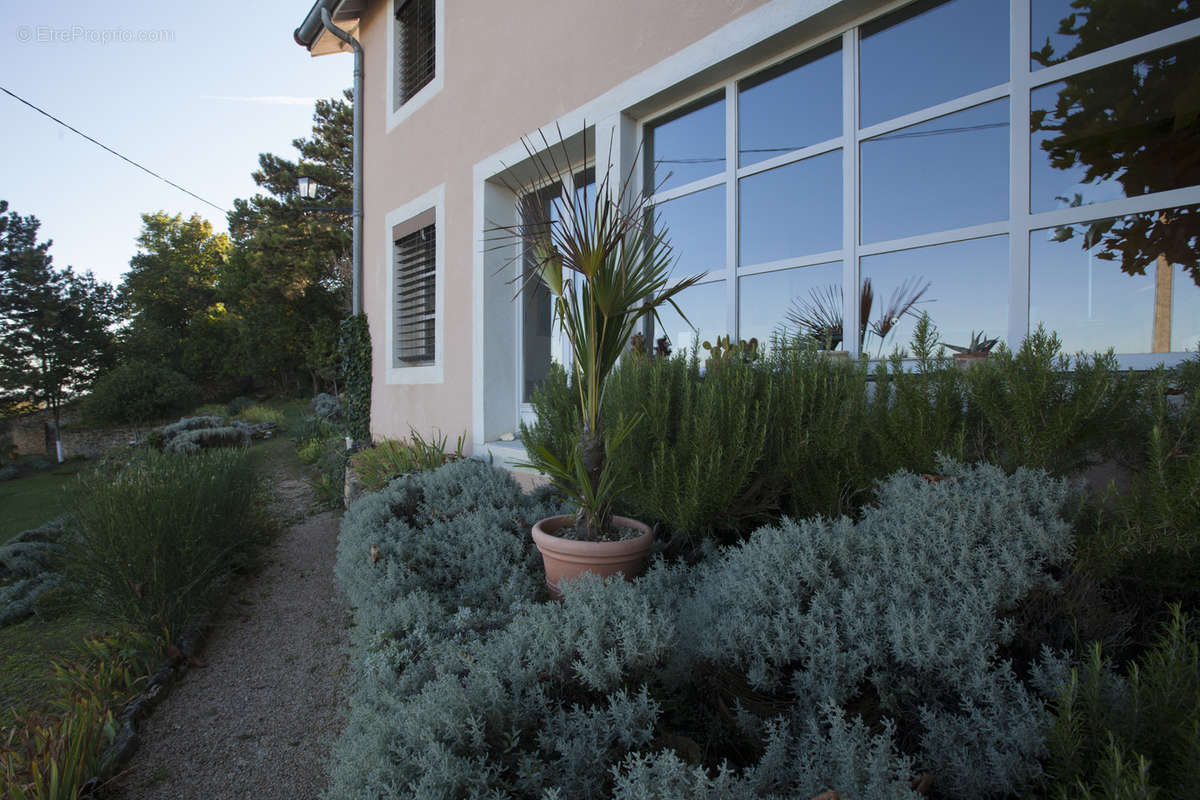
(356, 252)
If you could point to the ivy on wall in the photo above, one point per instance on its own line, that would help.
(354, 353)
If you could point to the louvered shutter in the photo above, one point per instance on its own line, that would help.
(414, 48)
(416, 306)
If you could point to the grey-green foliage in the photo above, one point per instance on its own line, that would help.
(192, 434)
(30, 565)
(830, 750)
(876, 644)
(197, 440)
(327, 407)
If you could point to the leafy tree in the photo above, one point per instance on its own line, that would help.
(173, 293)
(54, 324)
(290, 269)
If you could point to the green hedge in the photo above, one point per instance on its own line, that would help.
(794, 433)
(138, 392)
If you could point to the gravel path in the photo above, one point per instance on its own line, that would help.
(260, 719)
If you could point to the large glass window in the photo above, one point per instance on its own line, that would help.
(542, 343)
(695, 228)
(704, 306)
(963, 286)
(930, 52)
(1065, 29)
(947, 173)
(790, 106)
(932, 223)
(1131, 283)
(775, 304)
(686, 145)
(793, 210)
(1123, 130)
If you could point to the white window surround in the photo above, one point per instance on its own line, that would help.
(433, 200)
(394, 115)
(747, 45)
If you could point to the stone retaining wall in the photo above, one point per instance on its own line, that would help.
(31, 436)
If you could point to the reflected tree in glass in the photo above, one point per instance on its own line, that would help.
(1136, 122)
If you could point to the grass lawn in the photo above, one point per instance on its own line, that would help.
(36, 499)
(26, 650)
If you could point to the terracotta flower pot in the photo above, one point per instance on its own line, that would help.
(969, 360)
(566, 558)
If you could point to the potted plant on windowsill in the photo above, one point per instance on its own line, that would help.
(606, 272)
(977, 351)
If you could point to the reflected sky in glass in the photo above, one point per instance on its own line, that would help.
(704, 306)
(946, 173)
(1115, 132)
(1121, 21)
(928, 53)
(968, 289)
(1093, 304)
(687, 146)
(793, 210)
(792, 105)
(695, 228)
(765, 298)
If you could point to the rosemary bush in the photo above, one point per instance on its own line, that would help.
(795, 433)
(1134, 735)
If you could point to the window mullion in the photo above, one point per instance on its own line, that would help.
(731, 210)
(850, 192)
(1018, 173)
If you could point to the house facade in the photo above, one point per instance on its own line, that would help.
(999, 164)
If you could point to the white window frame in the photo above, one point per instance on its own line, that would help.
(397, 114)
(1020, 223)
(433, 200)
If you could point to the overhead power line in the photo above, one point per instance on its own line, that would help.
(109, 149)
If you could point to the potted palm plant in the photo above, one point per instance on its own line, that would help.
(975, 351)
(607, 270)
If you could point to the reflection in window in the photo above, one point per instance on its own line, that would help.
(792, 210)
(967, 290)
(946, 173)
(695, 228)
(705, 306)
(930, 52)
(686, 145)
(1065, 29)
(791, 105)
(1123, 130)
(765, 300)
(1113, 283)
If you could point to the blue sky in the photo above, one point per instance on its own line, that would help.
(212, 86)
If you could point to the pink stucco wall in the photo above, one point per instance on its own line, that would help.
(510, 67)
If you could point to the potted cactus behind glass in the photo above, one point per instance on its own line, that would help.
(607, 271)
(975, 352)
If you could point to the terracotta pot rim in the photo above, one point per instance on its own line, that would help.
(544, 538)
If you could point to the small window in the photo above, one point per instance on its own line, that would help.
(414, 48)
(416, 298)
